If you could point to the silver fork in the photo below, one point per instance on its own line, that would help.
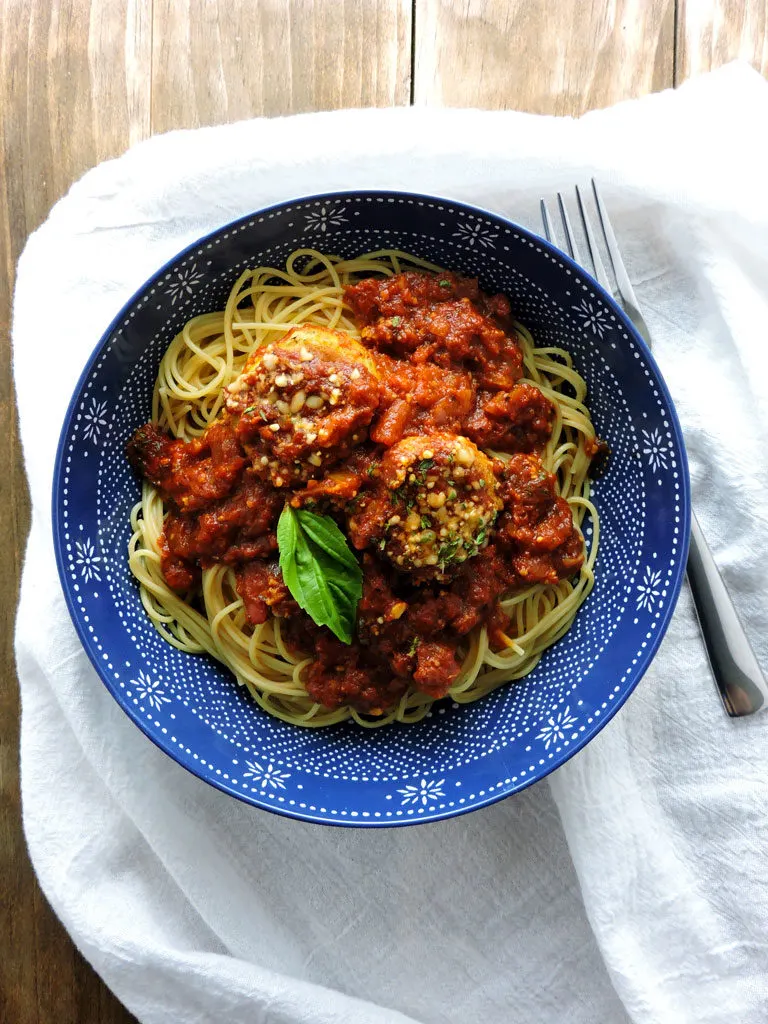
(741, 683)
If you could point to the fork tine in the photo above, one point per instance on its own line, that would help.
(549, 230)
(594, 252)
(570, 238)
(626, 291)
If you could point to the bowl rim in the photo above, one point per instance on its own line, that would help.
(673, 589)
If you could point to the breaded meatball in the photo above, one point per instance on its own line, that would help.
(435, 500)
(302, 403)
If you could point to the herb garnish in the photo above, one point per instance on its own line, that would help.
(404, 496)
(319, 569)
(422, 469)
(447, 551)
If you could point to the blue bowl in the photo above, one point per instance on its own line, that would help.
(459, 757)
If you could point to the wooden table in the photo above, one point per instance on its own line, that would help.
(81, 80)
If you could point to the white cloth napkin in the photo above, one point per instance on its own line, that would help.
(633, 887)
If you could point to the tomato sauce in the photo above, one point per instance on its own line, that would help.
(447, 359)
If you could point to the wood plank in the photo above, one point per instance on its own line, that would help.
(74, 89)
(712, 32)
(80, 81)
(548, 58)
(223, 61)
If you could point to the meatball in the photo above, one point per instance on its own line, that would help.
(442, 319)
(302, 403)
(191, 474)
(377, 297)
(544, 544)
(437, 497)
(517, 420)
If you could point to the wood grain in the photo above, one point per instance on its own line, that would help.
(74, 89)
(216, 62)
(712, 32)
(536, 55)
(81, 80)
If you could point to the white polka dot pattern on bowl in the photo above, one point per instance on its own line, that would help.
(459, 757)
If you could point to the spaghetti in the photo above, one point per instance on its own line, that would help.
(207, 613)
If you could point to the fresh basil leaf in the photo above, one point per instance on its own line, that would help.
(319, 570)
(314, 593)
(286, 533)
(326, 534)
(286, 543)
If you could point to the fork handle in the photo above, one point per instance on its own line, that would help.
(742, 686)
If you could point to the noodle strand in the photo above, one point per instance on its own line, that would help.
(211, 351)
